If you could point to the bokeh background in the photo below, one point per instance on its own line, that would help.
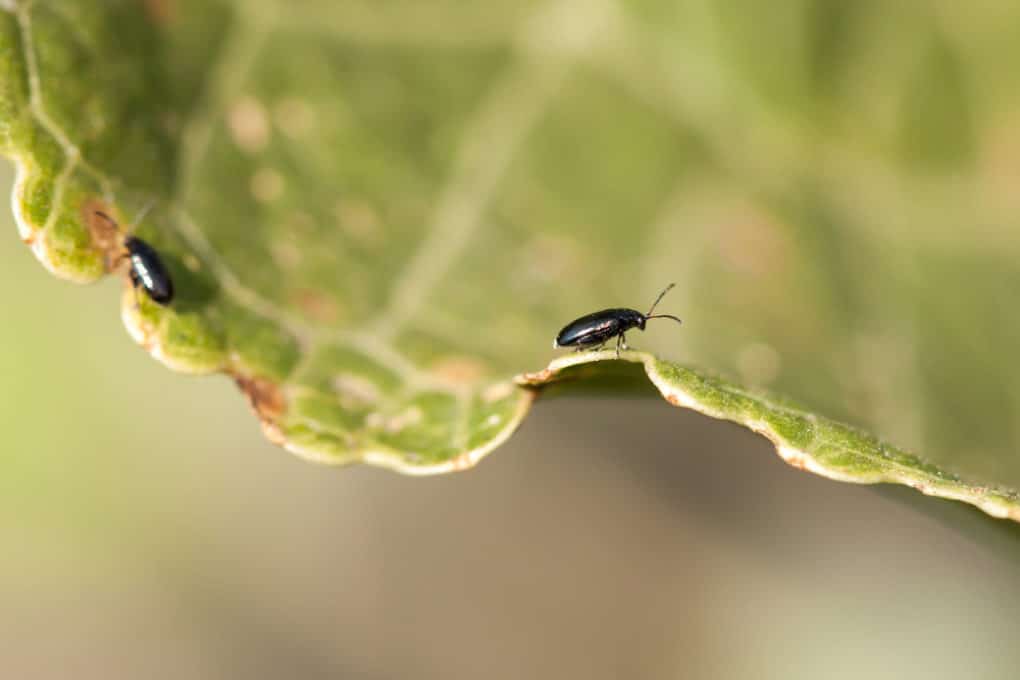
(850, 237)
(148, 530)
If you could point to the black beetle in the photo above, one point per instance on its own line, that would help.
(146, 267)
(595, 329)
(148, 271)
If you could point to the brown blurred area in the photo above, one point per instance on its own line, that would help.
(147, 530)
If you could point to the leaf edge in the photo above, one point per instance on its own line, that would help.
(997, 502)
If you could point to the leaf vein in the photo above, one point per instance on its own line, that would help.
(502, 122)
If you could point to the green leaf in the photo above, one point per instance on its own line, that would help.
(802, 439)
(376, 214)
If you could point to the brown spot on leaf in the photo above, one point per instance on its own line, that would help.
(673, 399)
(794, 458)
(316, 306)
(797, 462)
(535, 379)
(161, 11)
(459, 370)
(103, 229)
(249, 124)
(264, 396)
(359, 220)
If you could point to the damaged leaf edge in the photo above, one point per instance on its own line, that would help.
(997, 502)
(269, 403)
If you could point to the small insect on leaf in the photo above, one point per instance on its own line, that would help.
(148, 271)
(594, 330)
(146, 267)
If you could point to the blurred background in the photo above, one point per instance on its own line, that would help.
(845, 176)
(149, 531)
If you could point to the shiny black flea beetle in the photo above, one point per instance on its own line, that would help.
(596, 329)
(146, 267)
(148, 271)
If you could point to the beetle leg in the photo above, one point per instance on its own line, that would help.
(619, 339)
(623, 338)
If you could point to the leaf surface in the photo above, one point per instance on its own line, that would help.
(376, 214)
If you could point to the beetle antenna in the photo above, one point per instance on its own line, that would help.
(142, 213)
(134, 223)
(664, 316)
(664, 291)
